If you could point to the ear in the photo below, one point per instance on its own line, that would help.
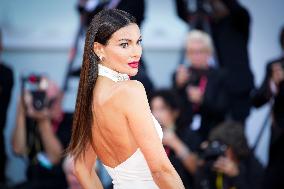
(99, 49)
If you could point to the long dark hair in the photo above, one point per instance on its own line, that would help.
(100, 30)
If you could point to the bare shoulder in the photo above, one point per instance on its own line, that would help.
(128, 91)
(132, 86)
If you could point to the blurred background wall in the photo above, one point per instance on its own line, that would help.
(37, 36)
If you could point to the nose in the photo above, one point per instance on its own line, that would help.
(136, 52)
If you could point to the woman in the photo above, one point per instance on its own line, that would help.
(112, 118)
(180, 142)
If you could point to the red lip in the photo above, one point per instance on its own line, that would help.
(133, 64)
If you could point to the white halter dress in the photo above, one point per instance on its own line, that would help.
(134, 172)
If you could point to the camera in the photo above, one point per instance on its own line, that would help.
(206, 176)
(37, 85)
(214, 150)
(195, 76)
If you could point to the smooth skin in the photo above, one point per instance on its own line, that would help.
(122, 117)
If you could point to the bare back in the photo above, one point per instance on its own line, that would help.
(112, 137)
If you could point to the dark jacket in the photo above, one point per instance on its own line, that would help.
(215, 100)
(263, 95)
(134, 7)
(6, 85)
(274, 177)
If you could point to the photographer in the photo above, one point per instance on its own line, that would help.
(42, 132)
(200, 86)
(229, 24)
(228, 162)
(272, 90)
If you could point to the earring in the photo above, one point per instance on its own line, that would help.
(101, 58)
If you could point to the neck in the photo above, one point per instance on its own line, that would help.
(111, 74)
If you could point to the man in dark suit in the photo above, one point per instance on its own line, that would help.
(228, 23)
(200, 86)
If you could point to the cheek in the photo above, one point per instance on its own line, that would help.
(193, 57)
(118, 54)
(199, 58)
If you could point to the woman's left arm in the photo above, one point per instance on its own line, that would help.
(85, 172)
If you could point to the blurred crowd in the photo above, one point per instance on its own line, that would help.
(203, 114)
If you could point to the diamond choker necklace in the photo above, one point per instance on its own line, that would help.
(111, 74)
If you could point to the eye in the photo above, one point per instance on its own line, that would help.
(124, 45)
(139, 42)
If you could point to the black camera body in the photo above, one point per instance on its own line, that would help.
(39, 100)
(195, 76)
(214, 150)
(36, 85)
(205, 175)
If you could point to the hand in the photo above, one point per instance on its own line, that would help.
(169, 138)
(38, 115)
(194, 94)
(277, 73)
(182, 76)
(226, 166)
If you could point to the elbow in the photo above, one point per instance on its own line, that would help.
(161, 169)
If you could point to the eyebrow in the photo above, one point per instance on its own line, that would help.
(125, 39)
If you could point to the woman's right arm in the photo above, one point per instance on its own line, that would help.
(85, 172)
(134, 102)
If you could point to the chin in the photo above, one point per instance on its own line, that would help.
(133, 72)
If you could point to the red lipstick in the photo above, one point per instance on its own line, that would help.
(133, 64)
